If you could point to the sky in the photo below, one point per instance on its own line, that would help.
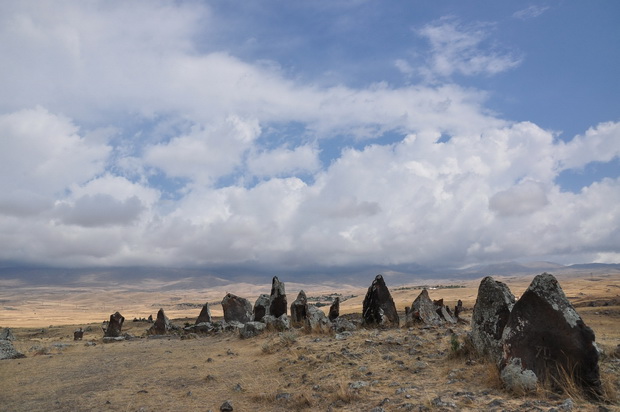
(300, 136)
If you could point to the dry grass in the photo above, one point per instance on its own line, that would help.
(288, 371)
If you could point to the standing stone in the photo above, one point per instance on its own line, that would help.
(8, 351)
(277, 299)
(458, 309)
(299, 310)
(252, 329)
(334, 309)
(205, 314)
(546, 337)
(236, 309)
(261, 307)
(6, 334)
(423, 310)
(161, 325)
(78, 334)
(316, 320)
(115, 325)
(491, 311)
(378, 307)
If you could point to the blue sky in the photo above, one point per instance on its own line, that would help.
(283, 135)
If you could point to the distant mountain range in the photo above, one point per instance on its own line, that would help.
(358, 276)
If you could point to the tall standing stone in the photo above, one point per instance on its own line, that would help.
(205, 314)
(261, 307)
(7, 334)
(8, 351)
(162, 324)
(491, 311)
(236, 309)
(277, 299)
(334, 309)
(378, 307)
(115, 325)
(299, 310)
(423, 310)
(544, 336)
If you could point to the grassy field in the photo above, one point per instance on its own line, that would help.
(395, 369)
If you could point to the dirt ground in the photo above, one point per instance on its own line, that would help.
(395, 369)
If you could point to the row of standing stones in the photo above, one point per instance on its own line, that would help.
(538, 339)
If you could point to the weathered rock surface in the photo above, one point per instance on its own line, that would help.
(236, 309)
(423, 310)
(161, 326)
(277, 298)
(7, 334)
(261, 307)
(205, 314)
(491, 311)
(316, 320)
(252, 329)
(299, 310)
(334, 309)
(458, 309)
(114, 326)
(378, 307)
(545, 335)
(280, 324)
(8, 351)
(78, 334)
(343, 325)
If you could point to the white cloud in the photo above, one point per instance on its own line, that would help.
(457, 48)
(523, 199)
(530, 12)
(283, 161)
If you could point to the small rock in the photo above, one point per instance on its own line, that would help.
(226, 407)
(283, 396)
(358, 385)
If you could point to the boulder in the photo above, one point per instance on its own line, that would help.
(545, 335)
(458, 309)
(252, 329)
(78, 334)
(161, 326)
(280, 324)
(423, 310)
(334, 309)
(7, 334)
(205, 314)
(343, 325)
(261, 307)
(445, 314)
(378, 307)
(277, 299)
(8, 351)
(299, 310)
(491, 311)
(204, 327)
(316, 320)
(236, 309)
(114, 326)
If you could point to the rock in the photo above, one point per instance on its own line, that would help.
(226, 407)
(316, 320)
(161, 326)
(491, 311)
(277, 299)
(252, 329)
(282, 323)
(299, 310)
(7, 334)
(236, 309)
(115, 326)
(378, 307)
(78, 334)
(342, 325)
(205, 315)
(458, 309)
(8, 351)
(334, 309)
(423, 310)
(546, 336)
(150, 319)
(516, 378)
(261, 307)
(443, 312)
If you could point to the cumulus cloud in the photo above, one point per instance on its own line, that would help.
(530, 12)
(90, 132)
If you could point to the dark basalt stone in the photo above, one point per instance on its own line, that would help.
(277, 298)
(299, 310)
(236, 309)
(423, 310)
(161, 326)
(205, 315)
(545, 335)
(114, 326)
(378, 307)
(491, 311)
(261, 308)
(334, 309)
(78, 334)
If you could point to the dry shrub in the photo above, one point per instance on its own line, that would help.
(462, 348)
(344, 393)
